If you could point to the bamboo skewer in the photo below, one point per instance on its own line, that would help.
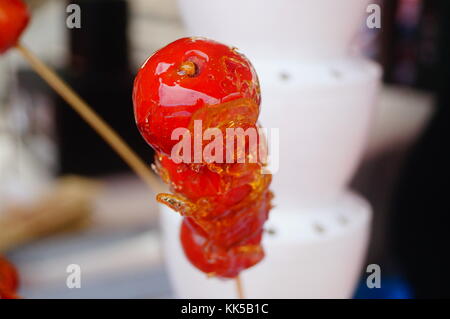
(100, 126)
(239, 287)
(89, 115)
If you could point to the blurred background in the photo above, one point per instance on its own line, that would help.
(66, 198)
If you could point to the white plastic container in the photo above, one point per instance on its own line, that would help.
(321, 99)
(286, 29)
(324, 113)
(316, 253)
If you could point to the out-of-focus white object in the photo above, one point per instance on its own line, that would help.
(15, 162)
(286, 29)
(313, 253)
(46, 33)
(323, 113)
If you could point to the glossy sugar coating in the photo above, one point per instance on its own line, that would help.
(14, 18)
(166, 94)
(9, 280)
(225, 205)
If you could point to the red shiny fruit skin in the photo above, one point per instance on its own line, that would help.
(165, 100)
(193, 184)
(14, 18)
(243, 223)
(5, 294)
(9, 280)
(226, 251)
(228, 263)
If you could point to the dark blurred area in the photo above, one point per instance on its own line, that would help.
(99, 70)
(421, 198)
(412, 211)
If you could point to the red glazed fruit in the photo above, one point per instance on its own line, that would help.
(215, 260)
(224, 203)
(14, 18)
(183, 78)
(9, 280)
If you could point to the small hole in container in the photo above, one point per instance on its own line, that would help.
(319, 228)
(342, 219)
(284, 76)
(336, 73)
(271, 231)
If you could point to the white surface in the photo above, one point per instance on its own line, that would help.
(313, 254)
(141, 251)
(46, 35)
(304, 29)
(324, 113)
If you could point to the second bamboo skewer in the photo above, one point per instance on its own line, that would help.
(100, 126)
(239, 287)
